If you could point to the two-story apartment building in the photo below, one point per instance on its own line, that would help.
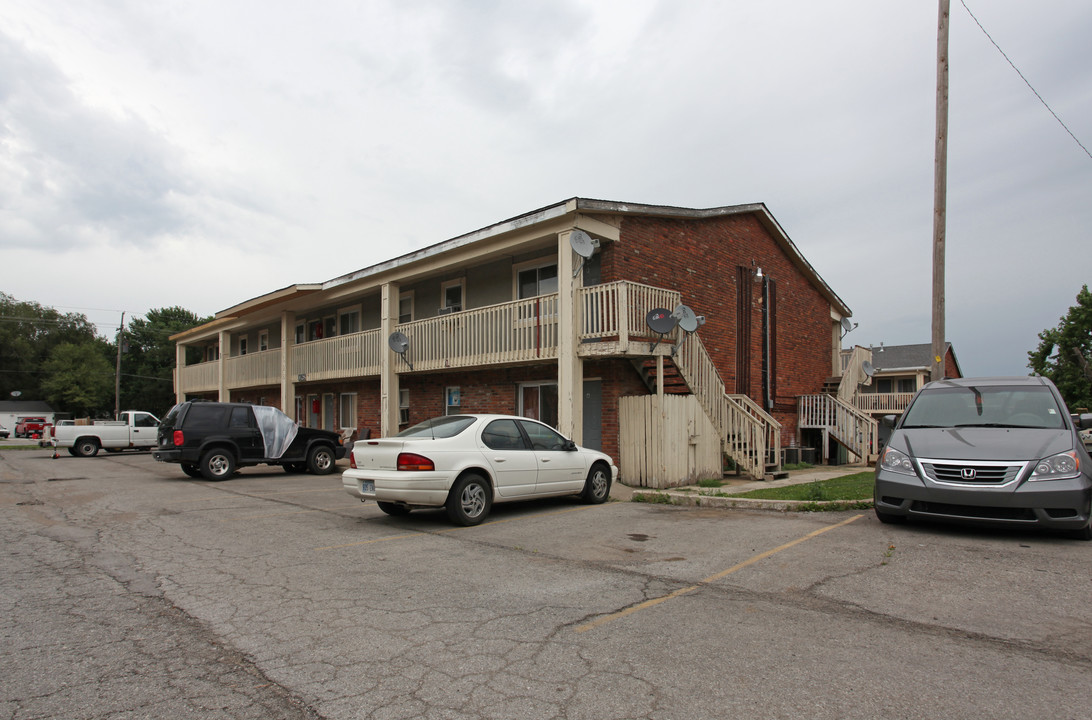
(510, 318)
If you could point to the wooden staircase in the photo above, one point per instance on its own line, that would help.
(674, 382)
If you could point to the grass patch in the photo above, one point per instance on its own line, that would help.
(856, 487)
(797, 466)
(710, 482)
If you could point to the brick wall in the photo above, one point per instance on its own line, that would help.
(700, 259)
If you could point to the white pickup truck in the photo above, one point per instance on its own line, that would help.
(132, 430)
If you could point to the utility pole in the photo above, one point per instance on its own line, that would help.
(117, 370)
(940, 192)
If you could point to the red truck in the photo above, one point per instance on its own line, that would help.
(30, 427)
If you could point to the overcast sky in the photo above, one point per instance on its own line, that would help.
(202, 153)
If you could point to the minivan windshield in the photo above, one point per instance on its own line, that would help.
(997, 406)
(440, 427)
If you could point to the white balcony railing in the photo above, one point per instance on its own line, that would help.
(344, 356)
(202, 377)
(260, 368)
(882, 403)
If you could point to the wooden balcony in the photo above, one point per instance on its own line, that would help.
(253, 369)
(882, 403)
(202, 377)
(611, 321)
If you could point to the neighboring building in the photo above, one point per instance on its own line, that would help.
(11, 411)
(899, 371)
(511, 319)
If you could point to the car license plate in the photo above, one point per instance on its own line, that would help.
(367, 486)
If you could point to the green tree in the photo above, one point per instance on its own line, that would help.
(28, 334)
(80, 379)
(148, 358)
(1065, 353)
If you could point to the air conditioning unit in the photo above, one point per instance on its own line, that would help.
(448, 310)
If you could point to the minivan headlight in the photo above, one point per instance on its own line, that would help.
(897, 461)
(1058, 467)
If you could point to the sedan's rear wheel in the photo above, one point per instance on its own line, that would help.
(597, 486)
(469, 500)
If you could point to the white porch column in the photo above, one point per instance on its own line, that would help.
(288, 373)
(179, 364)
(225, 348)
(570, 367)
(388, 361)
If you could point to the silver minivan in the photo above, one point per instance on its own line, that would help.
(988, 451)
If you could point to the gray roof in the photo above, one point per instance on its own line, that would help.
(890, 357)
(24, 407)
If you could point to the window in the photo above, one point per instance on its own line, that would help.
(542, 437)
(201, 415)
(883, 385)
(314, 330)
(349, 322)
(347, 411)
(240, 417)
(539, 402)
(452, 401)
(263, 340)
(212, 352)
(330, 327)
(451, 296)
(403, 406)
(300, 333)
(242, 345)
(908, 385)
(405, 307)
(299, 409)
(503, 435)
(534, 280)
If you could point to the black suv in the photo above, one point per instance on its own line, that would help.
(213, 439)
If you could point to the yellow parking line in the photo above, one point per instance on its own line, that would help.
(724, 573)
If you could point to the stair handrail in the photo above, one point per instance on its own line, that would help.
(772, 425)
(856, 430)
(745, 434)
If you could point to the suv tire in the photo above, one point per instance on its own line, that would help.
(321, 459)
(218, 464)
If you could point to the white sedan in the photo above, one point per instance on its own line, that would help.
(465, 463)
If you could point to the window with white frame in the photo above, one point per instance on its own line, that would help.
(348, 321)
(301, 333)
(536, 278)
(347, 411)
(405, 307)
(451, 296)
(452, 400)
(263, 340)
(330, 324)
(539, 402)
(242, 345)
(403, 406)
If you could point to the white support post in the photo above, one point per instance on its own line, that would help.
(570, 368)
(388, 368)
(224, 395)
(288, 377)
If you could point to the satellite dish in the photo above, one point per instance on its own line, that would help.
(583, 245)
(400, 343)
(866, 366)
(688, 321)
(661, 321)
(847, 326)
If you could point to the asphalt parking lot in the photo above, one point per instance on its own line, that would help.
(133, 591)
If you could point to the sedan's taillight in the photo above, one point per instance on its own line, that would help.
(414, 462)
(179, 439)
(352, 459)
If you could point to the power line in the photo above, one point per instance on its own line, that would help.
(1010, 62)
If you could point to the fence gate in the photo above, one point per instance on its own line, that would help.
(666, 442)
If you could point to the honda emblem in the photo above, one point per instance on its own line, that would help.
(969, 473)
